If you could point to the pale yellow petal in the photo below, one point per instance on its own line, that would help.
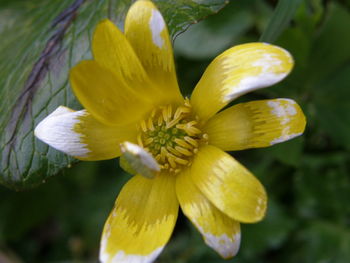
(255, 124)
(228, 185)
(139, 160)
(78, 134)
(148, 34)
(218, 230)
(239, 70)
(113, 51)
(141, 221)
(105, 95)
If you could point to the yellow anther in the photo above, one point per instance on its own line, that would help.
(189, 129)
(163, 153)
(172, 162)
(153, 113)
(187, 103)
(180, 110)
(165, 114)
(173, 151)
(194, 131)
(181, 161)
(183, 151)
(148, 141)
(182, 143)
(169, 112)
(143, 126)
(157, 157)
(170, 155)
(139, 140)
(205, 136)
(172, 123)
(192, 123)
(164, 166)
(160, 120)
(191, 141)
(150, 124)
(181, 126)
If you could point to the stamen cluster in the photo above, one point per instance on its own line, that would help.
(172, 137)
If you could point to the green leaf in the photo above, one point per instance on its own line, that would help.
(330, 47)
(332, 106)
(271, 232)
(322, 242)
(40, 42)
(289, 152)
(322, 186)
(209, 37)
(280, 19)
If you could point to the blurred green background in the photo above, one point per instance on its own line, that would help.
(307, 179)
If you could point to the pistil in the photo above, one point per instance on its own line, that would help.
(171, 136)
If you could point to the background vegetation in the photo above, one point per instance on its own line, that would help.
(307, 179)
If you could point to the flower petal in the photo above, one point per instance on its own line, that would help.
(78, 134)
(255, 124)
(228, 185)
(141, 222)
(219, 231)
(239, 70)
(106, 96)
(148, 34)
(139, 160)
(113, 51)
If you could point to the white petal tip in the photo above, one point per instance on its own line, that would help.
(226, 246)
(57, 130)
(140, 160)
(157, 26)
(122, 257)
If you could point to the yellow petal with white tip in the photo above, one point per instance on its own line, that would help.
(106, 96)
(148, 34)
(255, 124)
(218, 230)
(139, 160)
(228, 185)
(236, 71)
(78, 134)
(141, 221)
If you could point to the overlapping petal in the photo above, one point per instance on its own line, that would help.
(139, 160)
(106, 96)
(238, 70)
(255, 124)
(228, 185)
(113, 51)
(78, 134)
(218, 230)
(147, 32)
(141, 222)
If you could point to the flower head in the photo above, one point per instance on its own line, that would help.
(174, 145)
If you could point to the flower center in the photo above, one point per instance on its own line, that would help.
(171, 136)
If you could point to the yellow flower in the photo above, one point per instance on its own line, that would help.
(134, 107)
